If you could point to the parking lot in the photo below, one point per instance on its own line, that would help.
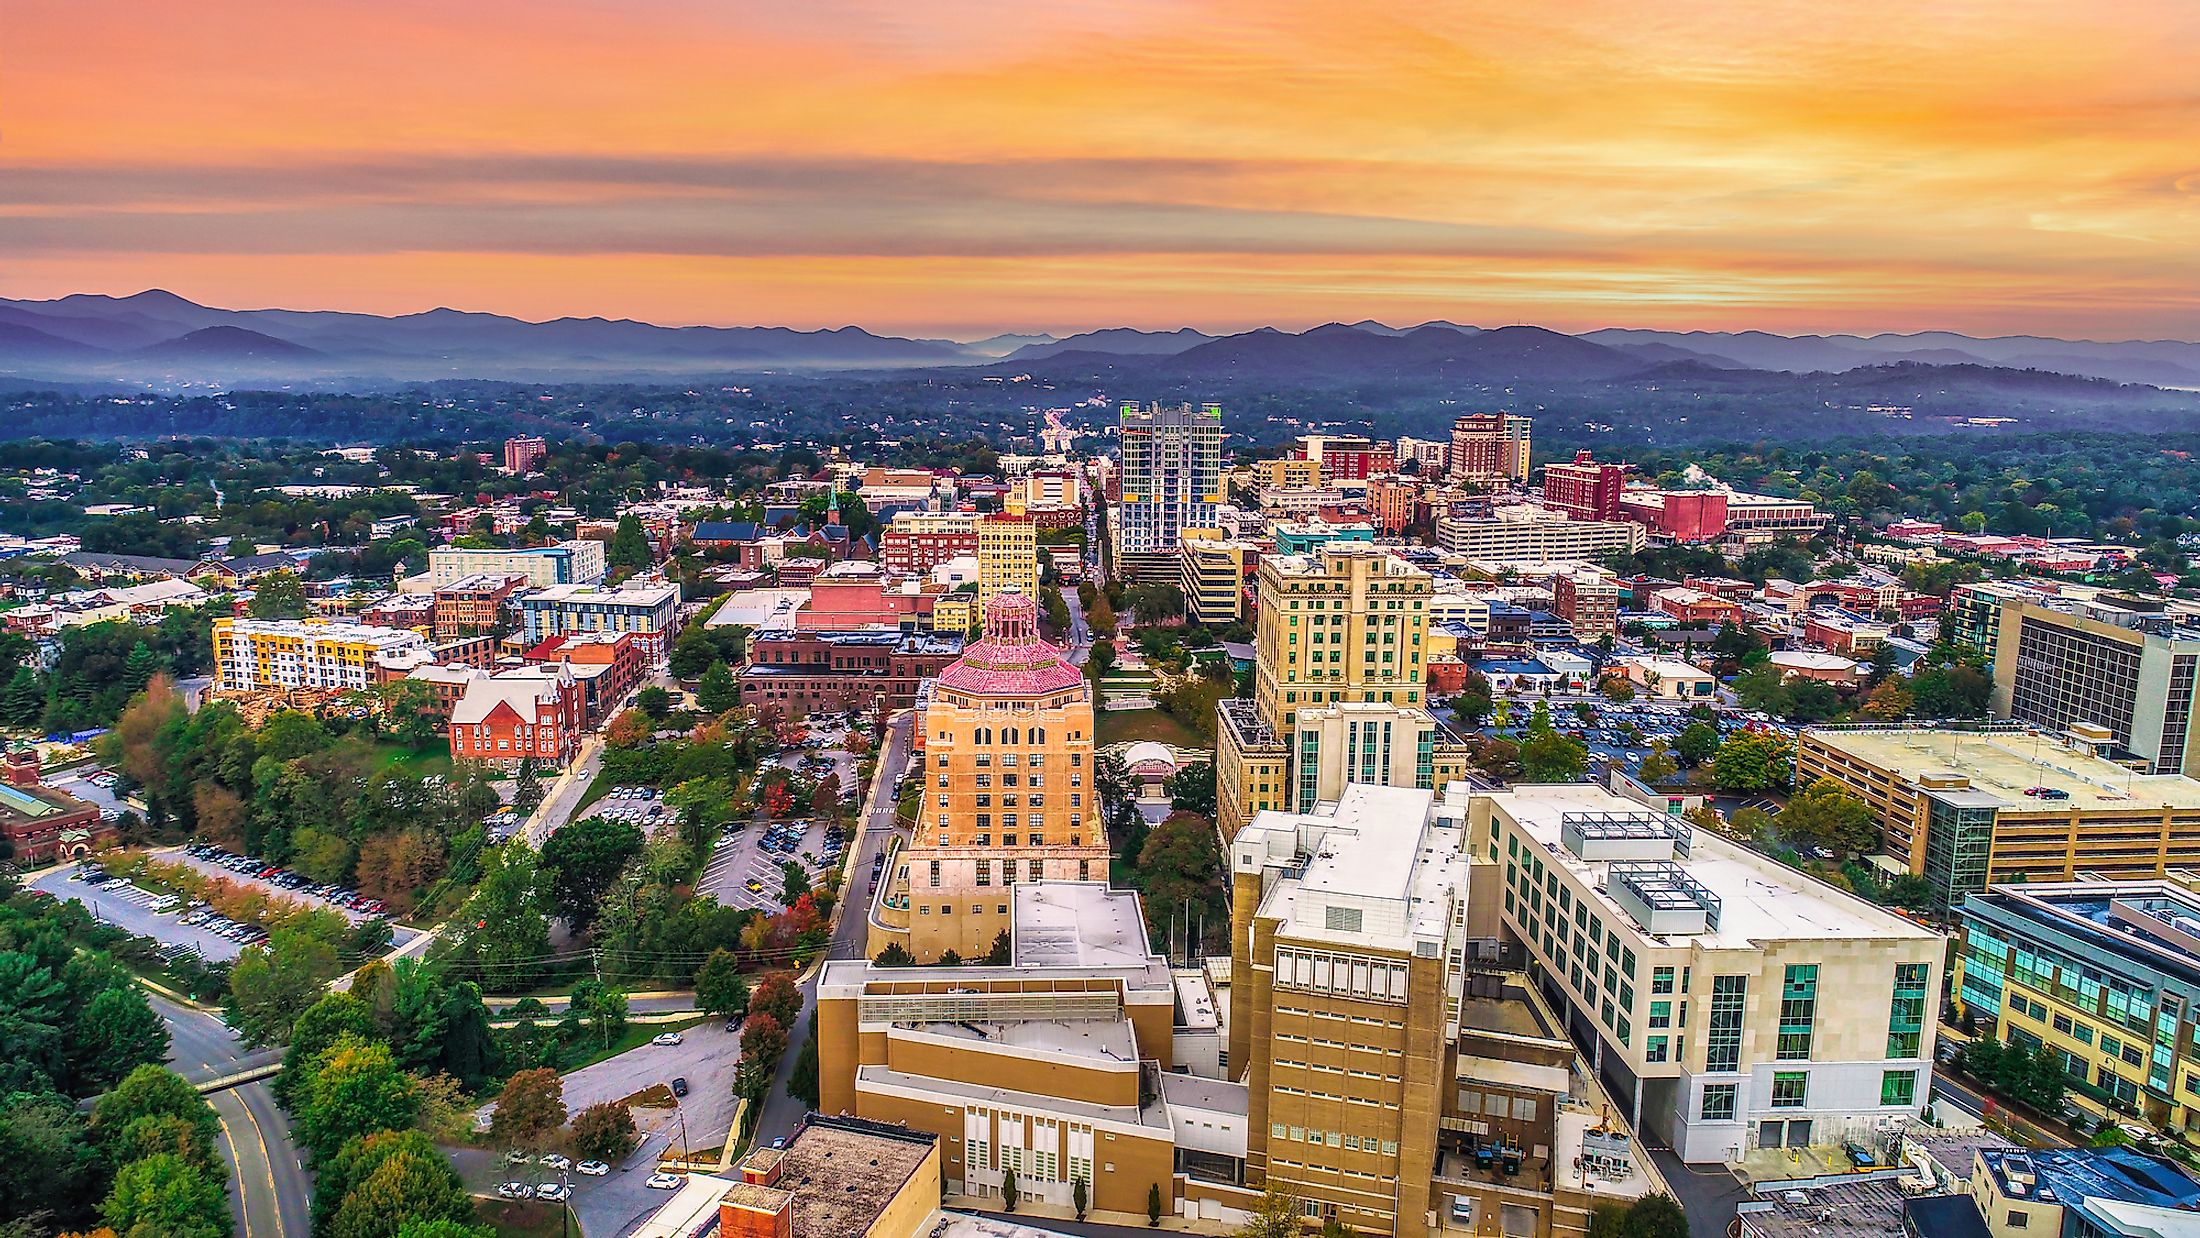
(707, 1059)
(1623, 734)
(745, 870)
(644, 806)
(244, 870)
(131, 908)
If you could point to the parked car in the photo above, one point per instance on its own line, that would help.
(557, 1161)
(1859, 1155)
(666, 1038)
(515, 1190)
(594, 1169)
(662, 1181)
(555, 1192)
(518, 1156)
(679, 1086)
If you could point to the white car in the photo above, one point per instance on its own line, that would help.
(556, 1161)
(556, 1192)
(667, 1038)
(663, 1182)
(515, 1190)
(594, 1169)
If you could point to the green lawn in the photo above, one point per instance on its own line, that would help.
(525, 1218)
(433, 758)
(597, 789)
(1120, 726)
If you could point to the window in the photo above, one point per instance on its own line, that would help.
(1798, 1011)
(1790, 1088)
(1906, 1012)
(1655, 1050)
(1723, 1047)
(1898, 1087)
(1661, 1014)
(1718, 1102)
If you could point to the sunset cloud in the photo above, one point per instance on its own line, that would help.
(981, 164)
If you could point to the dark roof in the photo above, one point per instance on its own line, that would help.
(1943, 1216)
(272, 560)
(131, 563)
(726, 531)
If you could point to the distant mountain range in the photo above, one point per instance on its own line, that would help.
(159, 339)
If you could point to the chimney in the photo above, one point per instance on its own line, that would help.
(22, 766)
(749, 1211)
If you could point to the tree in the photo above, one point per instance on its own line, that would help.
(1008, 1191)
(531, 1105)
(794, 883)
(48, 1162)
(1764, 688)
(1697, 743)
(163, 1196)
(776, 996)
(1889, 702)
(1958, 691)
(1812, 700)
(502, 929)
(273, 984)
(1153, 1205)
(1827, 814)
(279, 595)
(1192, 789)
(604, 1131)
(602, 1007)
(315, 1031)
(655, 702)
(114, 1034)
(720, 988)
(443, 1228)
(1098, 661)
(1659, 766)
(629, 546)
(803, 1084)
(583, 859)
(1547, 756)
(763, 1041)
(412, 1184)
(526, 788)
(1753, 761)
(717, 692)
(825, 796)
(411, 711)
(1181, 873)
(1277, 1214)
(355, 1089)
(631, 728)
(151, 1092)
(895, 955)
(1100, 616)
(1002, 952)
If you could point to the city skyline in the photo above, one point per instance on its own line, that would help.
(2020, 170)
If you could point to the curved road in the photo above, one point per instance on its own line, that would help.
(270, 1192)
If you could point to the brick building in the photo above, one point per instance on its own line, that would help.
(475, 604)
(43, 825)
(1584, 489)
(532, 712)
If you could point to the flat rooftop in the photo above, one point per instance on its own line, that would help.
(1102, 1040)
(1374, 845)
(1153, 1117)
(842, 1179)
(1760, 898)
(1078, 924)
(2006, 764)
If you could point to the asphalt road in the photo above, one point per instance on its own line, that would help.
(563, 795)
(270, 1192)
(1707, 1194)
(850, 931)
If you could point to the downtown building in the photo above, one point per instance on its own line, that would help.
(1490, 448)
(1171, 481)
(567, 563)
(274, 655)
(648, 611)
(2121, 664)
(1008, 794)
(1530, 534)
(1340, 675)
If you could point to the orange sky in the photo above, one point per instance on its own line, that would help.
(976, 165)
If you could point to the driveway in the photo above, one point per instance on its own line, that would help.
(1707, 1194)
(126, 906)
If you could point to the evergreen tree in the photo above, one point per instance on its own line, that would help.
(629, 546)
(24, 700)
(140, 667)
(717, 692)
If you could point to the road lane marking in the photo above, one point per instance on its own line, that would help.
(267, 1158)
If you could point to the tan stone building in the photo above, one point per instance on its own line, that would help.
(1007, 791)
(1008, 556)
(1345, 626)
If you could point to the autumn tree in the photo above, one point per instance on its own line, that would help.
(776, 995)
(531, 1105)
(604, 1131)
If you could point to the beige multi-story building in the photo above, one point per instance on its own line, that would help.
(1008, 794)
(262, 655)
(1347, 624)
(1008, 556)
(1218, 576)
(1287, 474)
(1525, 533)
(567, 563)
(2126, 664)
(1490, 447)
(1705, 975)
(1966, 808)
(1172, 481)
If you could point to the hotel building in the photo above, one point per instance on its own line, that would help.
(1172, 481)
(2116, 662)
(1490, 447)
(264, 655)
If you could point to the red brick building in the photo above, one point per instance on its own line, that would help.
(534, 712)
(43, 825)
(815, 672)
(1347, 457)
(475, 604)
(1584, 489)
(521, 455)
(607, 664)
(1392, 502)
(917, 542)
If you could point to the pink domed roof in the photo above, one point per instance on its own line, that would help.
(1010, 659)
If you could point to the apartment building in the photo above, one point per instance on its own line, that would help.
(1342, 457)
(811, 671)
(1394, 502)
(1588, 600)
(2106, 974)
(1433, 455)
(1966, 808)
(1287, 473)
(608, 665)
(1490, 447)
(1218, 577)
(1008, 791)
(2117, 662)
(1172, 481)
(567, 563)
(650, 611)
(1536, 534)
(474, 605)
(523, 453)
(1055, 498)
(1008, 556)
(1346, 625)
(915, 542)
(269, 655)
(1701, 977)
